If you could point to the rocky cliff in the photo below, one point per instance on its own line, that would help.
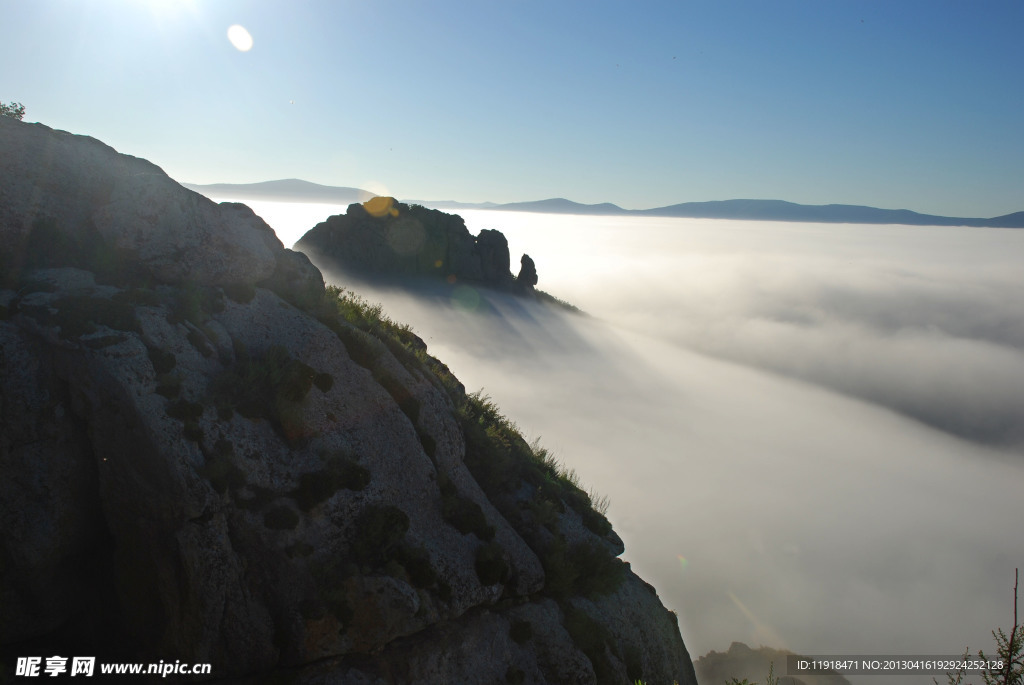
(389, 239)
(209, 456)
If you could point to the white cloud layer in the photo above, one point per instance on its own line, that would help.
(811, 435)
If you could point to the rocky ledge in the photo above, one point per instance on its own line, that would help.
(208, 456)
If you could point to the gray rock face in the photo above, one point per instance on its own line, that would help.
(82, 190)
(387, 238)
(206, 461)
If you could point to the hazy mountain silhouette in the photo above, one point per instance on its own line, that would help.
(778, 210)
(295, 190)
(285, 190)
(559, 205)
(766, 210)
(452, 204)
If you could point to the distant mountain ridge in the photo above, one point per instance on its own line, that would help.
(779, 210)
(284, 190)
(295, 190)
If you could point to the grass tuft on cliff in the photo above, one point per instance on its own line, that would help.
(503, 463)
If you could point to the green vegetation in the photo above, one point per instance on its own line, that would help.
(220, 468)
(270, 385)
(491, 566)
(323, 381)
(463, 513)
(1009, 655)
(591, 638)
(556, 302)
(584, 569)
(189, 413)
(15, 110)
(47, 246)
(377, 543)
(339, 472)
(428, 443)
(378, 531)
(192, 431)
(168, 385)
(369, 318)
(194, 303)
(367, 322)
(499, 458)
(634, 663)
(416, 564)
(184, 410)
(199, 342)
(162, 360)
(242, 293)
(79, 315)
(409, 405)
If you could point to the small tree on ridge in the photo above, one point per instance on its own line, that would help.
(15, 110)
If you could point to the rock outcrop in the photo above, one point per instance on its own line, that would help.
(206, 459)
(386, 238)
(527, 277)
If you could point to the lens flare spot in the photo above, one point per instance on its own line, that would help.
(437, 264)
(240, 38)
(683, 563)
(465, 298)
(380, 207)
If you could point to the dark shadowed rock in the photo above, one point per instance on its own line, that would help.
(527, 277)
(385, 238)
(492, 249)
(204, 461)
(296, 280)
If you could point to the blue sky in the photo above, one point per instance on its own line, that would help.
(916, 105)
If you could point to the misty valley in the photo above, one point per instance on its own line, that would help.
(535, 343)
(812, 436)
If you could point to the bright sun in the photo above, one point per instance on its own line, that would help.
(169, 9)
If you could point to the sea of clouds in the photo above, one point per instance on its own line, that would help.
(812, 436)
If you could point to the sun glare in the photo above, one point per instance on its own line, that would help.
(168, 12)
(240, 38)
